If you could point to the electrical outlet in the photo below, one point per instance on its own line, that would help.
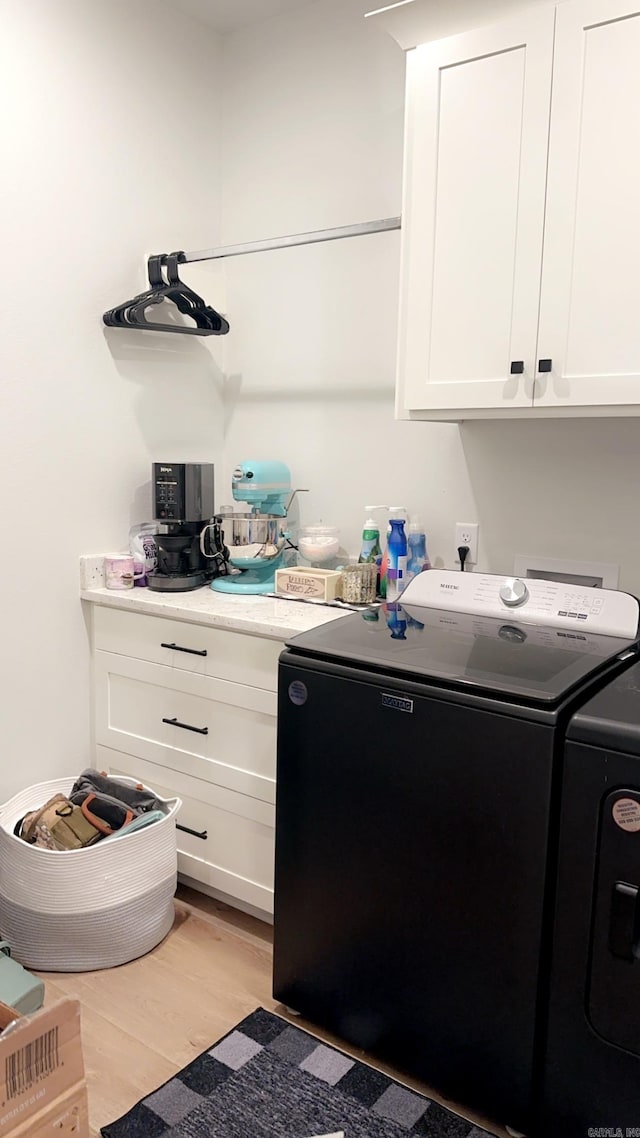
(467, 534)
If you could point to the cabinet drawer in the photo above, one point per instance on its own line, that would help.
(237, 855)
(223, 733)
(200, 649)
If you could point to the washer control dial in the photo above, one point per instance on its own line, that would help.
(513, 592)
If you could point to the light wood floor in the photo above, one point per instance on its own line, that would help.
(144, 1021)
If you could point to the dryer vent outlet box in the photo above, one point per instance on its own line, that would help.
(591, 574)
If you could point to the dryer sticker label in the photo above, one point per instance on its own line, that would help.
(298, 692)
(626, 814)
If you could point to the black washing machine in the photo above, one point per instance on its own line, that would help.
(419, 756)
(592, 1061)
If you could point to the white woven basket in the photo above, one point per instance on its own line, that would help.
(79, 910)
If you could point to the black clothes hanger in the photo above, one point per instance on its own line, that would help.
(132, 314)
(190, 303)
(184, 298)
(120, 317)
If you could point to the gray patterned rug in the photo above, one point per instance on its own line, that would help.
(267, 1079)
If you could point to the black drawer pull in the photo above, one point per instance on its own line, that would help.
(545, 365)
(186, 726)
(196, 833)
(517, 367)
(191, 651)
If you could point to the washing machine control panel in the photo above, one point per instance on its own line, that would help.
(550, 603)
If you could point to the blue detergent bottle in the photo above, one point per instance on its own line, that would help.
(397, 554)
(417, 556)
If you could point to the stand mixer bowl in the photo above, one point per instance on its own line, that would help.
(253, 539)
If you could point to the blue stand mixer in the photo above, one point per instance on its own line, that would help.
(257, 541)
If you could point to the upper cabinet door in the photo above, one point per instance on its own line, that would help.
(476, 141)
(590, 303)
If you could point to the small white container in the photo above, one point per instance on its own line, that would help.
(318, 543)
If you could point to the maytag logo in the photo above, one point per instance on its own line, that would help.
(456, 587)
(397, 703)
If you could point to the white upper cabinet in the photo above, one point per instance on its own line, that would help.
(473, 216)
(521, 230)
(590, 302)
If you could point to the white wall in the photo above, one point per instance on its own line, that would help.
(117, 127)
(110, 150)
(313, 139)
(313, 123)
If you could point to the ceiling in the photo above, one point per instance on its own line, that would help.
(227, 15)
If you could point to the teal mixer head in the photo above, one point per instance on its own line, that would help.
(265, 485)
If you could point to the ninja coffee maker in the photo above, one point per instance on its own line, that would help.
(191, 551)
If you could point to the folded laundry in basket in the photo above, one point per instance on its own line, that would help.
(98, 806)
(59, 825)
(137, 824)
(110, 804)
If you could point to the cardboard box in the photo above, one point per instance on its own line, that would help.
(43, 1092)
(304, 581)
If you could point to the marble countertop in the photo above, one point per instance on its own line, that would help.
(273, 617)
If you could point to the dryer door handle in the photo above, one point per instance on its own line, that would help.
(624, 924)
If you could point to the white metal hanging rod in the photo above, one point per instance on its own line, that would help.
(365, 227)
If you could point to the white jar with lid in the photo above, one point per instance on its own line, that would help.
(319, 542)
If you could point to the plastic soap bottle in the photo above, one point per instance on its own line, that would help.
(370, 551)
(396, 553)
(371, 542)
(417, 557)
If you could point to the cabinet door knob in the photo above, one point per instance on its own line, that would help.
(517, 367)
(545, 365)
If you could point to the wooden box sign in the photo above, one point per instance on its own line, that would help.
(303, 581)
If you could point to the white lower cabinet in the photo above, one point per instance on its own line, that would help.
(227, 844)
(200, 725)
